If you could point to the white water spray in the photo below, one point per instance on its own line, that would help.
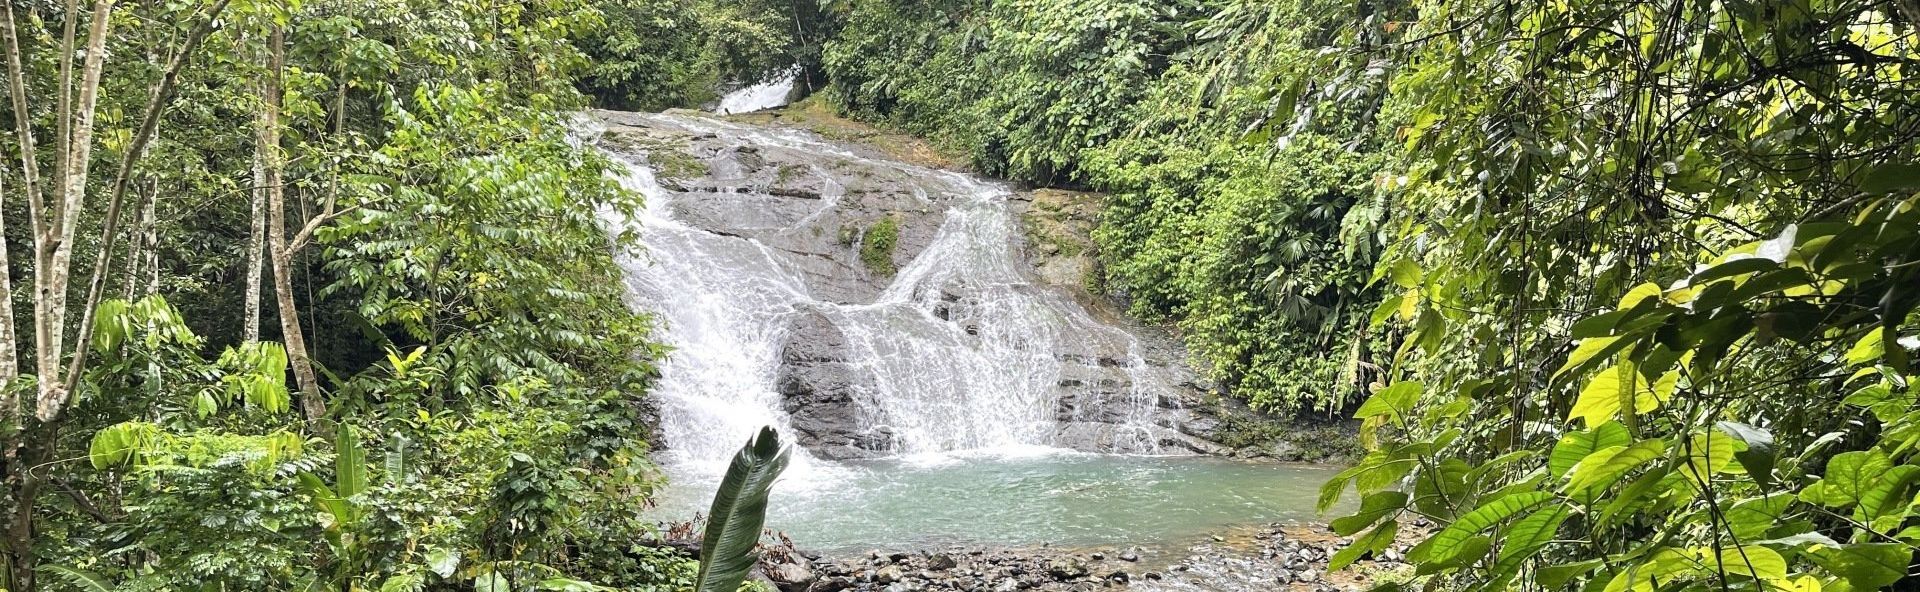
(961, 353)
(760, 97)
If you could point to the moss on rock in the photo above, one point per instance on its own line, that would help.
(877, 244)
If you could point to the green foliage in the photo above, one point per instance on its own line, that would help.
(727, 550)
(1256, 245)
(1255, 262)
(654, 54)
(1664, 336)
(877, 244)
(508, 407)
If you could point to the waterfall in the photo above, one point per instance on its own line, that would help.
(760, 97)
(960, 352)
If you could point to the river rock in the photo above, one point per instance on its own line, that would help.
(1066, 568)
(791, 576)
(941, 562)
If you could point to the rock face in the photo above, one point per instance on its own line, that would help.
(845, 220)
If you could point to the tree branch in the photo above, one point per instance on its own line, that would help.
(109, 231)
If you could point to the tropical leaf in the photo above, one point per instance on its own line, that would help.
(1601, 469)
(1451, 541)
(1528, 536)
(1849, 477)
(1577, 445)
(1372, 509)
(82, 579)
(1868, 566)
(1373, 541)
(738, 512)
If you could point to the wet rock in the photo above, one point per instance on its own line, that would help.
(791, 576)
(1066, 568)
(1131, 554)
(830, 585)
(889, 574)
(941, 562)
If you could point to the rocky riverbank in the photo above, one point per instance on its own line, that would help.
(1291, 557)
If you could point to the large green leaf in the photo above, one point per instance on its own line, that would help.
(1528, 536)
(738, 512)
(1601, 469)
(1440, 490)
(1450, 541)
(84, 580)
(1606, 395)
(1868, 566)
(1849, 476)
(350, 466)
(1578, 444)
(1749, 519)
(1708, 453)
(1888, 496)
(1372, 508)
(1395, 401)
(1373, 541)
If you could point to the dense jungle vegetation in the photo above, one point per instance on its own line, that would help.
(1624, 291)
(1627, 287)
(445, 385)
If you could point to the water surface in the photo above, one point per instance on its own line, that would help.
(1043, 496)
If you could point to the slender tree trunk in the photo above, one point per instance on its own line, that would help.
(280, 249)
(151, 235)
(53, 391)
(18, 545)
(143, 259)
(9, 359)
(257, 236)
(157, 102)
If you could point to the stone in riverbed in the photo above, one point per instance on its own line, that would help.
(791, 576)
(1066, 568)
(1131, 554)
(889, 574)
(941, 562)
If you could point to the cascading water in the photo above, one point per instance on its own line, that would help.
(760, 97)
(960, 353)
(942, 394)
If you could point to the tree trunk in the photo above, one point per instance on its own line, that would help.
(257, 238)
(9, 359)
(52, 296)
(279, 248)
(148, 261)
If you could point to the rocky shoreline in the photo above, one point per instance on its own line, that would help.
(1278, 556)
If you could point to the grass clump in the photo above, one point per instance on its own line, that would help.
(877, 244)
